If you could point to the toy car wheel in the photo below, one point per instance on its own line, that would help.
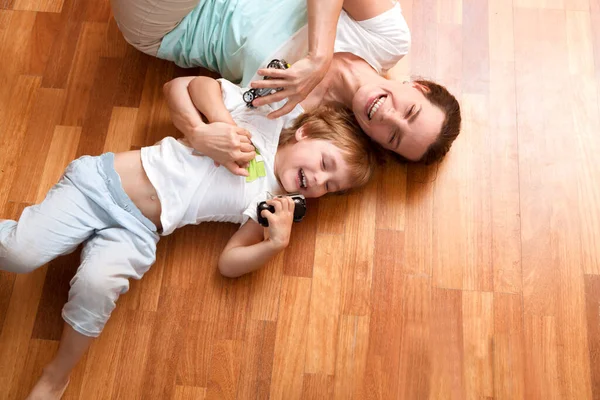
(249, 96)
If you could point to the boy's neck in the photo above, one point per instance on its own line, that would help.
(346, 74)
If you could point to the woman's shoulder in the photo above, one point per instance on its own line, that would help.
(381, 40)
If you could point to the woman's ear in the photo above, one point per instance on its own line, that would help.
(424, 89)
(301, 133)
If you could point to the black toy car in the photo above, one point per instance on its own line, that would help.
(252, 94)
(299, 209)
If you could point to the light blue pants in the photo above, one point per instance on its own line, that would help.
(88, 205)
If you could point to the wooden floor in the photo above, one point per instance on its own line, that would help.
(475, 279)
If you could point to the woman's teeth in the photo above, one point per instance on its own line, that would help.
(375, 106)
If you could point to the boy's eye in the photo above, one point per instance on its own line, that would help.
(323, 163)
(327, 186)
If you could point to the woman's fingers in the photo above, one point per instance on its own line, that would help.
(287, 108)
(246, 147)
(275, 73)
(272, 98)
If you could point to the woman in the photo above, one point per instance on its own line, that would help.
(334, 60)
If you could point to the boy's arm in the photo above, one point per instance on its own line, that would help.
(206, 94)
(227, 144)
(249, 249)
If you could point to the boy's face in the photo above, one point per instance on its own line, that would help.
(311, 167)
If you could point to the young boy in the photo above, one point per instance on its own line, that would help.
(120, 204)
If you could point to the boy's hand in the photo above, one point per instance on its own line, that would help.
(226, 144)
(280, 222)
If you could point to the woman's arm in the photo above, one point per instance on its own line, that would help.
(225, 143)
(307, 73)
(249, 248)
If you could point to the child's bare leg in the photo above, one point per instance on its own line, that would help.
(55, 378)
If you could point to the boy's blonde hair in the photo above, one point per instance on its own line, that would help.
(338, 126)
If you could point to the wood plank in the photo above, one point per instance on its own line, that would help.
(541, 358)
(65, 44)
(40, 353)
(505, 202)
(62, 151)
(387, 313)
(358, 255)
(189, 393)
(332, 214)
(290, 343)
(450, 12)
(115, 45)
(299, 256)
(317, 387)
(447, 379)
(352, 356)
(257, 359)
(193, 368)
(132, 76)
(416, 356)
(37, 141)
(391, 197)
(16, 331)
(323, 324)
(224, 370)
(153, 121)
(48, 319)
(47, 6)
(509, 342)
(103, 358)
(476, 51)
(160, 371)
(13, 126)
(478, 332)
(120, 129)
(592, 302)
(586, 119)
(83, 73)
(461, 237)
(449, 57)
(98, 115)
(234, 311)
(45, 31)
(418, 237)
(145, 294)
(424, 37)
(265, 289)
(136, 334)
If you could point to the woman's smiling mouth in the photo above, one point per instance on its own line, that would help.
(374, 106)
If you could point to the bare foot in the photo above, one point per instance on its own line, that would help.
(48, 388)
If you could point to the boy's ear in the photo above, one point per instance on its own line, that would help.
(301, 133)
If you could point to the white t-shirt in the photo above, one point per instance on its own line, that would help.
(381, 41)
(192, 190)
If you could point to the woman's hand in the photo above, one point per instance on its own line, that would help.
(297, 82)
(280, 222)
(226, 144)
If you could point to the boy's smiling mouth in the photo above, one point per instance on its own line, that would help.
(302, 182)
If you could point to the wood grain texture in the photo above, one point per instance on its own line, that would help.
(477, 277)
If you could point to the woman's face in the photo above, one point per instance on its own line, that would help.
(398, 116)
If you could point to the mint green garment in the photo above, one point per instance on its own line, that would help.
(233, 37)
